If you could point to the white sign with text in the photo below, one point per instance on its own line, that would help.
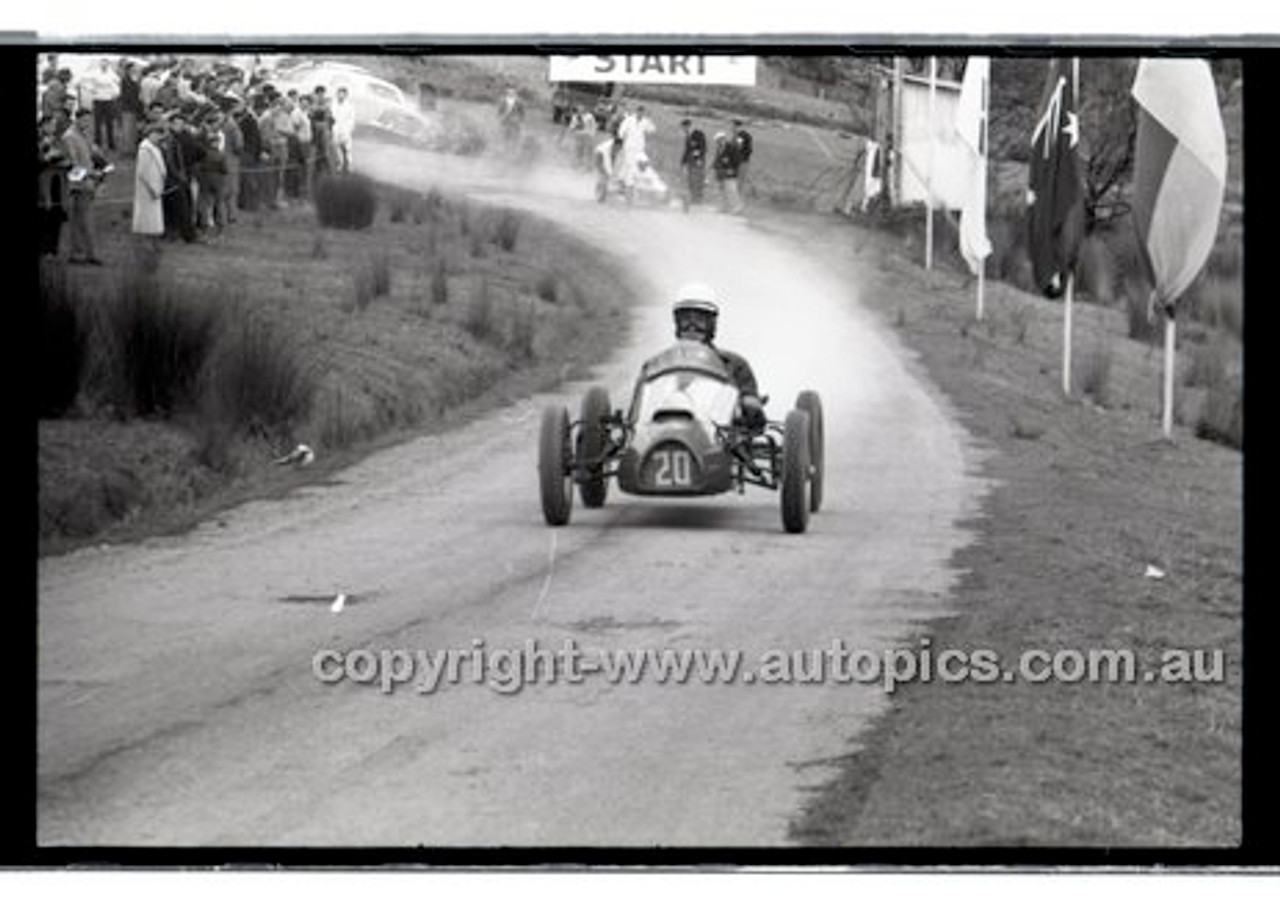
(735, 70)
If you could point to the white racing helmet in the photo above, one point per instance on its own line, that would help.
(695, 312)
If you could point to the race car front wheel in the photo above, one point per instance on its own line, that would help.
(810, 402)
(555, 454)
(795, 472)
(593, 439)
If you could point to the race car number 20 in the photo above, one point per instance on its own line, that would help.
(673, 468)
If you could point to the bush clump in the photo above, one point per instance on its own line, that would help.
(256, 382)
(162, 337)
(347, 202)
(62, 345)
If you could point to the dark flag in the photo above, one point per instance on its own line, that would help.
(1055, 197)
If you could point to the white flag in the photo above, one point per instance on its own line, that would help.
(970, 116)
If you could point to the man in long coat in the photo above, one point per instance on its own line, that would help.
(148, 186)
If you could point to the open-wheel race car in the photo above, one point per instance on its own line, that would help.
(684, 435)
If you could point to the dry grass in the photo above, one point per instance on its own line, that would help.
(1082, 501)
(373, 373)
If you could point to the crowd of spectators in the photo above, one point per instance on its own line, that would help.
(212, 139)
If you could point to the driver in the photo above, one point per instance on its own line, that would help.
(695, 314)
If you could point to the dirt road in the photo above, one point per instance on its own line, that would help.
(177, 700)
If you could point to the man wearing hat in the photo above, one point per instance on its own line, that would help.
(149, 185)
(694, 160)
(726, 166)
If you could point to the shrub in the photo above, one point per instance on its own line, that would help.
(434, 201)
(440, 284)
(507, 230)
(1208, 366)
(1093, 374)
(62, 345)
(479, 318)
(1020, 321)
(372, 280)
(1222, 416)
(346, 201)
(256, 382)
(520, 334)
(547, 287)
(162, 337)
(1096, 270)
(1142, 326)
(1217, 301)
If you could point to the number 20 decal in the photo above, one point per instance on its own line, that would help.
(675, 468)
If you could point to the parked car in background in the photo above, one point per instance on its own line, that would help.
(379, 103)
(596, 98)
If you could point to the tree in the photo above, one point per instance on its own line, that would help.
(1108, 132)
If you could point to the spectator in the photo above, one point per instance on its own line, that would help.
(300, 148)
(273, 125)
(633, 132)
(344, 126)
(583, 125)
(100, 92)
(167, 93)
(50, 71)
(694, 161)
(149, 186)
(250, 158)
(53, 102)
(511, 119)
(233, 152)
(742, 140)
(86, 162)
(606, 153)
(321, 132)
(150, 84)
(179, 218)
(131, 111)
(725, 165)
(52, 200)
(212, 174)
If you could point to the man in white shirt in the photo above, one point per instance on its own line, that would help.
(99, 91)
(344, 126)
(633, 130)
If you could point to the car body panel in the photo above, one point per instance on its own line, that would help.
(682, 398)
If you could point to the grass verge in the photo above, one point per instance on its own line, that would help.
(169, 393)
(1086, 497)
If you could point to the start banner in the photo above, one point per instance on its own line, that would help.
(734, 70)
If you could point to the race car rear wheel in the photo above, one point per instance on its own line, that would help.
(811, 403)
(795, 472)
(593, 438)
(555, 455)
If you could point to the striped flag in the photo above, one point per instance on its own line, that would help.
(1055, 199)
(971, 114)
(1180, 169)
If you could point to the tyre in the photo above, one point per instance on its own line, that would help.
(593, 438)
(795, 472)
(811, 403)
(554, 458)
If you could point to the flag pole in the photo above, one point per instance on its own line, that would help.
(1069, 304)
(984, 151)
(928, 182)
(1170, 356)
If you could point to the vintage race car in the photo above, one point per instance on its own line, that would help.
(683, 435)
